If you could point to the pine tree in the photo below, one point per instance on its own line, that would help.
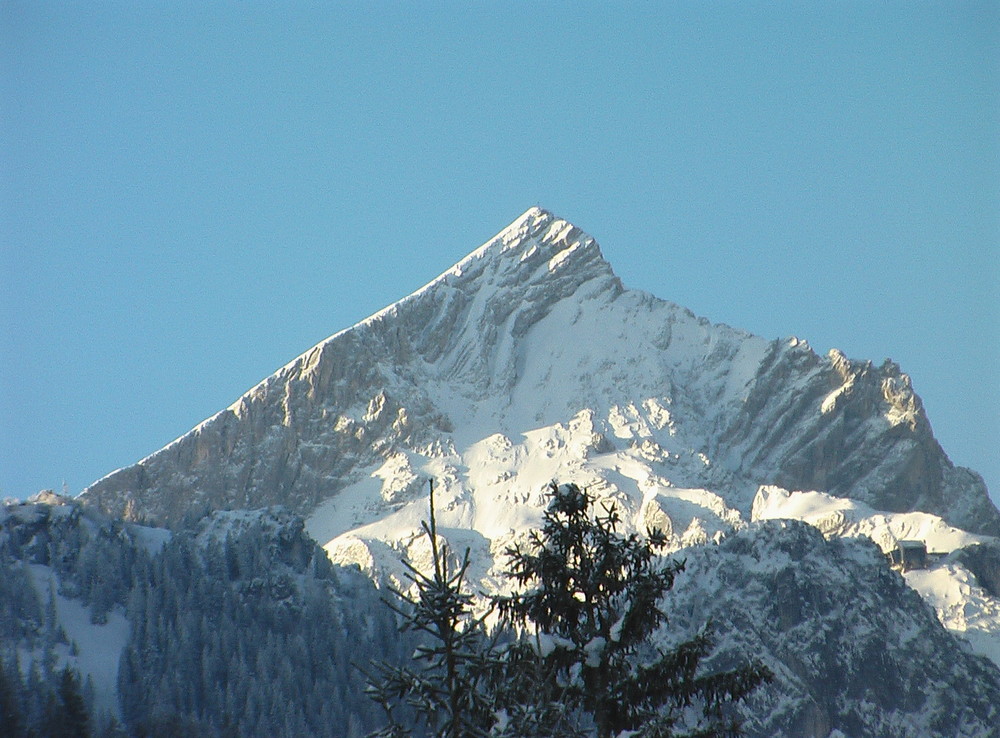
(572, 655)
(591, 598)
(65, 710)
(76, 721)
(12, 719)
(447, 690)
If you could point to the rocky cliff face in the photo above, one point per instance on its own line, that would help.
(529, 361)
(854, 430)
(527, 332)
(853, 648)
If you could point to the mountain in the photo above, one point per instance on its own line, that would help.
(529, 361)
(534, 331)
(239, 626)
(856, 652)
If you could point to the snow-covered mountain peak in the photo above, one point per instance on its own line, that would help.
(531, 250)
(529, 360)
(541, 227)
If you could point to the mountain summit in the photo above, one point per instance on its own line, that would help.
(527, 362)
(532, 335)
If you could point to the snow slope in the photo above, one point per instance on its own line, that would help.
(93, 650)
(532, 333)
(963, 606)
(529, 361)
(69, 562)
(836, 516)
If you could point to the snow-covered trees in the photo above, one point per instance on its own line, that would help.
(50, 551)
(578, 655)
(240, 626)
(447, 688)
(591, 594)
(246, 629)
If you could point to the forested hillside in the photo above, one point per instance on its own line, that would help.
(238, 627)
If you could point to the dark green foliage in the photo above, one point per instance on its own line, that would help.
(66, 715)
(21, 616)
(445, 689)
(37, 707)
(592, 596)
(573, 655)
(13, 721)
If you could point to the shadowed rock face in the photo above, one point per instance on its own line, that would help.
(853, 430)
(853, 648)
(983, 560)
(528, 330)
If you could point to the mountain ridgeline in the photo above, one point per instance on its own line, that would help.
(527, 331)
(224, 584)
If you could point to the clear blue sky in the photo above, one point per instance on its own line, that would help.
(194, 193)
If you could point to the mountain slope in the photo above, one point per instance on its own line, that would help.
(529, 361)
(852, 647)
(241, 626)
(532, 331)
(238, 627)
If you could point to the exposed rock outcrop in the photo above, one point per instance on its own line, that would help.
(527, 332)
(853, 648)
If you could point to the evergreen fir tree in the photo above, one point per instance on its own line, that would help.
(12, 718)
(76, 721)
(591, 597)
(447, 690)
(582, 663)
(65, 713)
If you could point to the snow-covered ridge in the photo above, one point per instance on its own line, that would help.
(547, 236)
(536, 236)
(961, 602)
(838, 516)
(528, 362)
(532, 338)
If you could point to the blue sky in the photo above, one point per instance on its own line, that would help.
(192, 194)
